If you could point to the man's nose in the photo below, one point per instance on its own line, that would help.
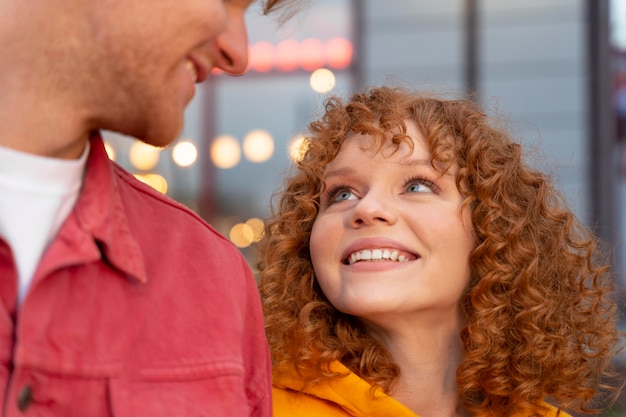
(231, 53)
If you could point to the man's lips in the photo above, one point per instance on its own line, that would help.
(192, 70)
(198, 71)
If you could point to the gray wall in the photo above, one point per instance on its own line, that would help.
(531, 70)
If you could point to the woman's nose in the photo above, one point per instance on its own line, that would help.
(373, 209)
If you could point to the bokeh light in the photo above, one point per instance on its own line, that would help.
(297, 148)
(290, 55)
(262, 56)
(225, 152)
(322, 80)
(154, 180)
(258, 146)
(257, 227)
(339, 53)
(287, 55)
(241, 235)
(184, 153)
(311, 54)
(143, 156)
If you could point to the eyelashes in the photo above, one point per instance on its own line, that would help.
(331, 193)
(420, 180)
(343, 191)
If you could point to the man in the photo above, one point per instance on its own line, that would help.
(114, 300)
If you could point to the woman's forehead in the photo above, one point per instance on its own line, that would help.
(411, 149)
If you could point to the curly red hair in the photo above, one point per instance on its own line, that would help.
(540, 320)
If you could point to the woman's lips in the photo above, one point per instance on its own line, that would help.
(379, 255)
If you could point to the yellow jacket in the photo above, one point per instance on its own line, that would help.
(340, 397)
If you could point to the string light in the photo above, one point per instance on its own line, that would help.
(184, 153)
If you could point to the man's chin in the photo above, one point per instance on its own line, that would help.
(161, 136)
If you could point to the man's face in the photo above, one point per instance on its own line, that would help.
(145, 57)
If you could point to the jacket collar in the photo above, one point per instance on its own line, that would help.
(350, 392)
(98, 227)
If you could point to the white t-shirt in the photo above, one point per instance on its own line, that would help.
(36, 196)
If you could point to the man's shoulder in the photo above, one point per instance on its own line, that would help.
(144, 202)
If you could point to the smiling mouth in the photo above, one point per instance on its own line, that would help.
(192, 70)
(378, 255)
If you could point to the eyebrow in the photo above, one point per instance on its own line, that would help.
(415, 162)
(338, 172)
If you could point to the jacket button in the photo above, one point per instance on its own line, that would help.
(24, 398)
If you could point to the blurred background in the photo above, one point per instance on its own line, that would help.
(554, 69)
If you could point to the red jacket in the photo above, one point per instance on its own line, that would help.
(138, 308)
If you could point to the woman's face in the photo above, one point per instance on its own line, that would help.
(391, 241)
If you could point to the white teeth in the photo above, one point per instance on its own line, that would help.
(192, 70)
(376, 255)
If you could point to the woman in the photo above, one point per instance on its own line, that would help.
(416, 266)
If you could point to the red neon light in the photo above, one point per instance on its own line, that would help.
(261, 57)
(339, 53)
(309, 54)
(287, 58)
(290, 55)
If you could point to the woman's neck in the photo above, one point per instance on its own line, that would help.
(428, 356)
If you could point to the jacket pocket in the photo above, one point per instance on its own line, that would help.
(185, 395)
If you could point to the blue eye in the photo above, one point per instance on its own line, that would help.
(420, 185)
(417, 188)
(338, 193)
(343, 195)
